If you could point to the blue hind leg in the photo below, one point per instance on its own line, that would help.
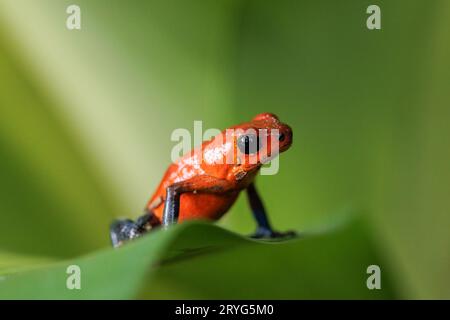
(125, 230)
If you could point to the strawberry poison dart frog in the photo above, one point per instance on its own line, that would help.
(205, 182)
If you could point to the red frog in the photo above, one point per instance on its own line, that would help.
(205, 182)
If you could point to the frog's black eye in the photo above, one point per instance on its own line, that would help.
(248, 143)
(281, 137)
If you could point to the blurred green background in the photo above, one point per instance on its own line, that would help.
(86, 117)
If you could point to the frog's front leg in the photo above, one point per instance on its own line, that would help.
(264, 229)
(200, 184)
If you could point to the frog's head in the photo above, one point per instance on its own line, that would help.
(260, 140)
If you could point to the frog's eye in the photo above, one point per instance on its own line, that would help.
(248, 143)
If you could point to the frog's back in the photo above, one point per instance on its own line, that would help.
(194, 205)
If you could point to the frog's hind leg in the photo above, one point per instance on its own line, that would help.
(126, 229)
(121, 231)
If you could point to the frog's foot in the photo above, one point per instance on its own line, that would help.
(264, 233)
(125, 230)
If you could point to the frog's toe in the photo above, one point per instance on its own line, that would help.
(263, 233)
(123, 230)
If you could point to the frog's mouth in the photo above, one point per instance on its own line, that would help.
(248, 169)
(256, 161)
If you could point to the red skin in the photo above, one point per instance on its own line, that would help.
(213, 184)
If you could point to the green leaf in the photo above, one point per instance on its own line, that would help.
(199, 260)
(13, 262)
